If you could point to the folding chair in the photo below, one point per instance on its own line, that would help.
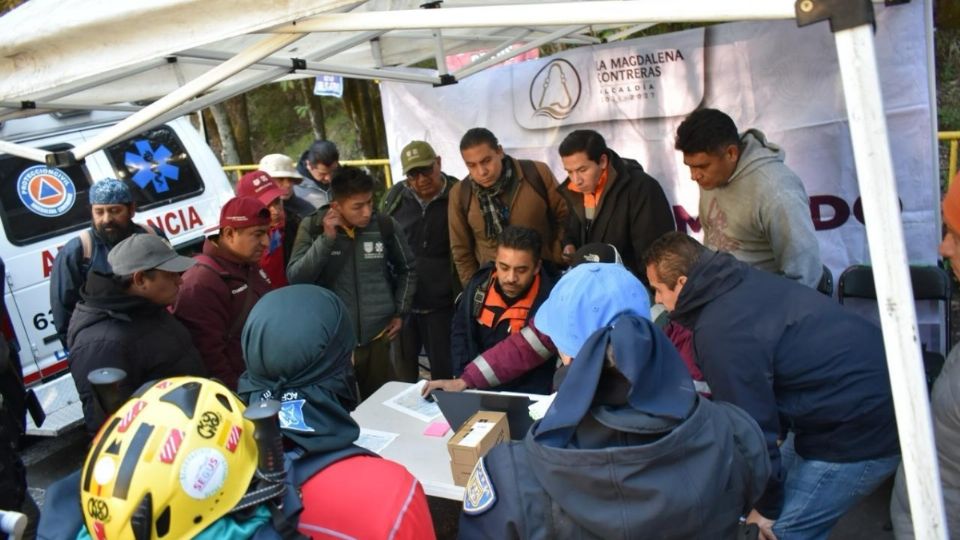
(825, 285)
(929, 283)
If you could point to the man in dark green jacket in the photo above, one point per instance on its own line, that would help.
(365, 260)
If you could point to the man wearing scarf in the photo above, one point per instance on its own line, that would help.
(628, 449)
(501, 191)
(283, 227)
(297, 345)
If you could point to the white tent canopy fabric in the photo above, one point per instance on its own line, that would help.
(69, 54)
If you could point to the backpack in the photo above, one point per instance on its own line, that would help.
(86, 240)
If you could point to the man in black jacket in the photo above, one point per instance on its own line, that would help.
(123, 322)
(420, 207)
(812, 374)
(611, 200)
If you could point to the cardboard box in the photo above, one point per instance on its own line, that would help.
(483, 431)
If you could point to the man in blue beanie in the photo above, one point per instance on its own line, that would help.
(111, 209)
(625, 427)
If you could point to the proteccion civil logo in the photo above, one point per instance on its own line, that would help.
(555, 90)
(46, 191)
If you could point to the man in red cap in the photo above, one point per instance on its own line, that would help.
(220, 290)
(283, 228)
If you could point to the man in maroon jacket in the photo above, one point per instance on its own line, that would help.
(220, 290)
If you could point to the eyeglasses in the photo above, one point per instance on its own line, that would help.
(413, 174)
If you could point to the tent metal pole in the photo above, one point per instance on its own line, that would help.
(552, 14)
(470, 70)
(131, 124)
(441, 57)
(505, 44)
(898, 318)
(26, 152)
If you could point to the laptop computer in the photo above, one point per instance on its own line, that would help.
(458, 407)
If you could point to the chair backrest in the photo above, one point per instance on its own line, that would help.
(825, 285)
(929, 283)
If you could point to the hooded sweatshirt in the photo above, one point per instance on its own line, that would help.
(111, 328)
(762, 214)
(793, 359)
(625, 453)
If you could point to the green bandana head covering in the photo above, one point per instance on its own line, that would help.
(297, 343)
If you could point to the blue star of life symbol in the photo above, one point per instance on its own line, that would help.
(151, 166)
(291, 415)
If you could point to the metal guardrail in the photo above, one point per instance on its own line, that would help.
(384, 163)
(952, 137)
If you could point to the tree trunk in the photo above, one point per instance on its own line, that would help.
(228, 142)
(236, 108)
(361, 99)
(314, 108)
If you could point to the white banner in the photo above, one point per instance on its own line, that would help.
(771, 76)
(652, 78)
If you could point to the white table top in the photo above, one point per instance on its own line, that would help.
(424, 456)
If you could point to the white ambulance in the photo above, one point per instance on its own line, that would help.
(178, 185)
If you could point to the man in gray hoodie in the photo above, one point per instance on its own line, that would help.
(751, 204)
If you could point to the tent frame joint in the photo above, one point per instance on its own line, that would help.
(842, 14)
(446, 80)
(64, 158)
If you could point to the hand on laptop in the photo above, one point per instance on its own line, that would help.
(447, 385)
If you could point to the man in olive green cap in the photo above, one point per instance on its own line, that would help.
(420, 207)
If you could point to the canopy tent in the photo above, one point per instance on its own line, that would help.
(187, 55)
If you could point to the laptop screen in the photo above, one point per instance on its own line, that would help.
(458, 407)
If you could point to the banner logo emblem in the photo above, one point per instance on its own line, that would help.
(555, 90)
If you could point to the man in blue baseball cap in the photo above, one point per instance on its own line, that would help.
(112, 208)
(626, 423)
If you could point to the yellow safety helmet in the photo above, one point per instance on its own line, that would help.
(170, 462)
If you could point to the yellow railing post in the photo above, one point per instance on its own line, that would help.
(384, 163)
(953, 138)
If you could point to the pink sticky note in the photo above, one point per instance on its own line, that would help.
(437, 429)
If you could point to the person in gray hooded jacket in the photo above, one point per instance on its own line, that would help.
(627, 449)
(751, 204)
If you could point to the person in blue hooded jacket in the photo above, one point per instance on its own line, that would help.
(628, 449)
(812, 374)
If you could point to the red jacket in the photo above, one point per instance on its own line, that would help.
(213, 304)
(365, 497)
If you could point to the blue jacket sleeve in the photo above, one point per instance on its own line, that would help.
(459, 334)
(65, 280)
(739, 370)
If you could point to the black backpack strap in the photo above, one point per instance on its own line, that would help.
(532, 176)
(392, 200)
(386, 227)
(466, 191)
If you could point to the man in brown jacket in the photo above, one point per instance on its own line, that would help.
(501, 191)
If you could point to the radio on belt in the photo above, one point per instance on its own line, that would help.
(483, 431)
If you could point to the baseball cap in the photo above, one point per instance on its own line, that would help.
(146, 252)
(596, 252)
(279, 166)
(110, 191)
(417, 154)
(260, 185)
(243, 212)
(587, 298)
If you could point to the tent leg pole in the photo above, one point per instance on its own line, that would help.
(898, 318)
